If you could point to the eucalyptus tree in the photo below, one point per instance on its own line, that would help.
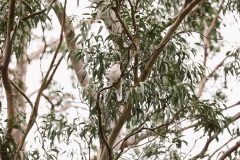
(165, 49)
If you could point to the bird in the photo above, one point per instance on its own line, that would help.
(114, 75)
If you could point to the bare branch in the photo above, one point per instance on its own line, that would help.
(214, 21)
(5, 64)
(192, 147)
(229, 151)
(123, 24)
(205, 42)
(134, 141)
(238, 103)
(199, 155)
(23, 94)
(79, 67)
(53, 72)
(204, 79)
(207, 33)
(5, 77)
(36, 13)
(34, 112)
(49, 101)
(168, 35)
(133, 15)
(221, 147)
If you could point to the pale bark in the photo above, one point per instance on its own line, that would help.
(166, 38)
(230, 150)
(78, 67)
(46, 81)
(207, 33)
(115, 131)
(5, 64)
(20, 81)
(5, 77)
(211, 138)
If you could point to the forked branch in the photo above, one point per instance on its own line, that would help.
(34, 112)
(168, 35)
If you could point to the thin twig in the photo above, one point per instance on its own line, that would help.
(238, 103)
(109, 149)
(207, 32)
(135, 131)
(23, 94)
(36, 13)
(221, 147)
(38, 129)
(230, 150)
(35, 108)
(200, 154)
(133, 15)
(123, 24)
(49, 101)
(54, 71)
(192, 147)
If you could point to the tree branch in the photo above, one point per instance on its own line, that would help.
(207, 33)
(69, 35)
(192, 147)
(5, 78)
(53, 72)
(221, 147)
(35, 54)
(134, 141)
(5, 64)
(36, 13)
(23, 94)
(49, 101)
(204, 79)
(34, 112)
(238, 103)
(230, 150)
(168, 35)
(123, 24)
(116, 129)
(199, 155)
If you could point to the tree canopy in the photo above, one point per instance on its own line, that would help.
(179, 70)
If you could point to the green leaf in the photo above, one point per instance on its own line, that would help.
(198, 44)
(228, 53)
(17, 126)
(100, 29)
(171, 20)
(137, 151)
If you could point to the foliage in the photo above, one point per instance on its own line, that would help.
(156, 112)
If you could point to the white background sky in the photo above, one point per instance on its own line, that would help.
(231, 34)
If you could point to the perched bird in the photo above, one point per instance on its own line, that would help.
(114, 75)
